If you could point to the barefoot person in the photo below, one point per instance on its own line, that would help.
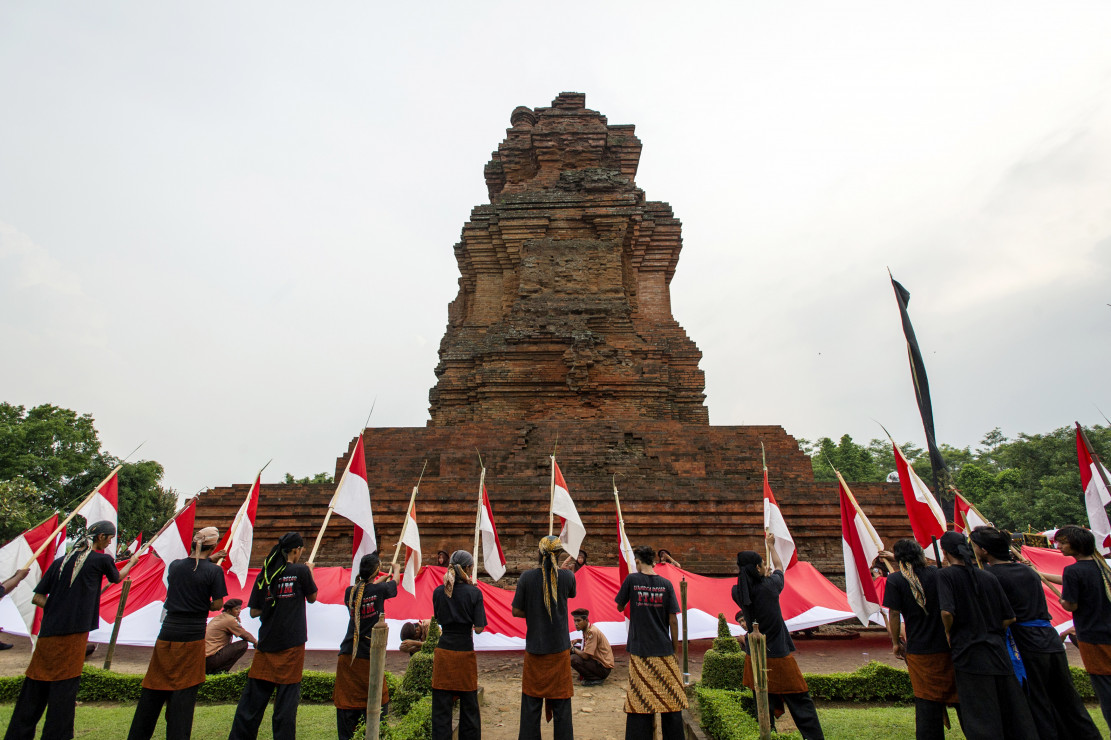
(911, 593)
(195, 587)
(69, 595)
(457, 606)
(592, 656)
(541, 600)
(278, 596)
(655, 682)
(366, 602)
(757, 593)
(221, 653)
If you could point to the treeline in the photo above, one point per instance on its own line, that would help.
(1030, 482)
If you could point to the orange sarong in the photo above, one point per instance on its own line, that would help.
(175, 665)
(58, 658)
(456, 670)
(284, 666)
(932, 677)
(353, 684)
(1096, 657)
(784, 676)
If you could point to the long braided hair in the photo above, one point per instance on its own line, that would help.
(368, 571)
(911, 559)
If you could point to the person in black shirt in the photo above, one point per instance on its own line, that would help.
(195, 587)
(911, 593)
(457, 606)
(541, 600)
(655, 682)
(1057, 709)
(278, 596)
(757, 593)
(1086, 592)
(366, 602)
(976, 614)
(69, 594)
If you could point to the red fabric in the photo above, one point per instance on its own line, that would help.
(922, 520)
(111, 491)
(184, 524)
(851, 534)
(769, 497)
(35, 537)
(960, 514)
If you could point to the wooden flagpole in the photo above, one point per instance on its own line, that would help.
(61, 527)
(332, 505)
(871, 532)
(238, 520)
(405, 523)
(551, 501)
(620, 516)
(478, 517)
(767, 548)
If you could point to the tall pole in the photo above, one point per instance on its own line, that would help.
(551, 501)
(686, 649)
(116, 627)
(478, 521)
(378, 635)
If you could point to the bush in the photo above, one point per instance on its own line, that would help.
(416, 725)
(724, 664)
(725, 718)
(872, 682)
(417, 682)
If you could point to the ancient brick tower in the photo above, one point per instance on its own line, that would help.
(562, 333)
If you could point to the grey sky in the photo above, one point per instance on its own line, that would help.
(226, 228)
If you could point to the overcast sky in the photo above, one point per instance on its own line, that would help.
(225, 228)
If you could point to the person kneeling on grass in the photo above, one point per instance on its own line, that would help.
(592, 656)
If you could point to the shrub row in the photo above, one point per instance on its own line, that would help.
(725, 718)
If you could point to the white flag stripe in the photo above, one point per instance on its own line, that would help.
(352, 502)
(774, 523)
(854, 589)
(242, 541)
(1096, 499)
(14, 556)
(411, 539)
(492, 557)
(100, 509)
(922, 492)
(573, 532)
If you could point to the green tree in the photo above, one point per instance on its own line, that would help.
(20, 507)
(307, 480)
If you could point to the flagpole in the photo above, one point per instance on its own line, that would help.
(767, 547)
(405, 524)
(61, 527)
(871, 533)
(239, 520)
(620, 517)
(478, 519)
(167, 524)
(551, 501)
(332, 503)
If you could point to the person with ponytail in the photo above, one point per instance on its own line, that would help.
(911, 593)
(195, 587)
(365, 601)
(976, 614)
(278, 596)
(757, 593)
(1057, 709)
(457, 606)
(541, 600)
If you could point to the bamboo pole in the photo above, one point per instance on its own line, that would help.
(478, 521)
(116, 627)
(686, 646)
(757, 651)
(767, 547)
(378, 635)
(551, 501)
(332, 503)
(238, 519)
(65, 522)
(405, 523)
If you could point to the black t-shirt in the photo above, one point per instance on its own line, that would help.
(544, 635)
(925, 632)
(1027, 599)
(764, 611)
(458, 616)
(74, 607)
(188, 596)
(977, 636)
(372, 607)
(283, 621)
(1083, 586)
(651, 601)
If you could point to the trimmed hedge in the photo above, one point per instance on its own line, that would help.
(723, 666)
(417, 682)
(725, 718)
(101, 685)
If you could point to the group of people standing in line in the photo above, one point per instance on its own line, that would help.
(971, 634)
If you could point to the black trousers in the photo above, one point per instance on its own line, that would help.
(179, 713)
(58, 698)
(803, 713)
(929, 719)
(588, 668)
(223, 659)
(993, 707)
(470, 721)
(252, 705)
(1102, 686)
(348, 719)
(641, 726)
(1058, 710)
(532, 708)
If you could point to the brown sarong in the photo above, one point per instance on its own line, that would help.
(932, 677)
(784, 676)
(58, 658)
(455, 670)
(284, 666)
(547, 677)
(353, 684)
(655, 685)
(175, 665)
(1096, 657)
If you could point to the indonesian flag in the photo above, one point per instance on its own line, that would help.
(573, 532)
(104, 506)
(860, 545)
(411, 539)
(242, 534)
(774, 523)
(626, 561)
(134, 546)
(175, 540)
(15, 555)
(1096, 496)
(352, 501)
(926, 519)
(493, 558)
(965, 516)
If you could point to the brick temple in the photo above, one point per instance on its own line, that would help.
(562, 337)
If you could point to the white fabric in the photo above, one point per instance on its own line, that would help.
(14, 556)
(854, 589)
(352, 502)
(242, 539)
(100, 509)
(625, 550)
(921, 491)
(774, 523)
(573, 532)
(1096, 498)
(411, 539)
(493, 559)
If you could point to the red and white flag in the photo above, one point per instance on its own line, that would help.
(965, 516)
(860, 545)
(1096, 495)
(626, 561)
(134, 546)
(411, 539)
(176, 539)
(241, 535)
(15, 555)
(573, 532)
(926, 518)
(774, 523)
(105, 506)
(493, 558)
(352, 501)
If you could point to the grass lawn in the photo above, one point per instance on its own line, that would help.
(893, 723)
